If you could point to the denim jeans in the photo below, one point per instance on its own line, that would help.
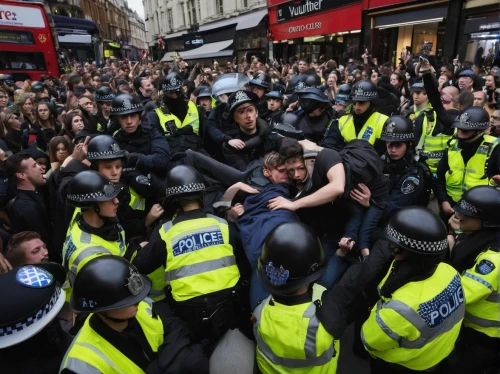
(335, 267)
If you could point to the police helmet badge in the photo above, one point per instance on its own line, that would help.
(359, 92)
(277, 277)
(109, 189)
(115, 147)
(135, 283)
(173, 82)
(34, 277)
(464, 118)
(390, 127)
(241, 96)
(300, 86)
(126, 105)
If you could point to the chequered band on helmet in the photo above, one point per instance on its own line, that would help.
(99, 154)
(107, 97)
(108, 190)
(469, 207)
(33, 318)
(418, 245)
(191, 187)
(400, 136)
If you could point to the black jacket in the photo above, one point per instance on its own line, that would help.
(29, 213)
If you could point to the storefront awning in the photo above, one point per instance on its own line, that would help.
(206, 51)
(63, 22)
(414, 17)
(251, 20)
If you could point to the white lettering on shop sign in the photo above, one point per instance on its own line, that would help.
(11, 15)
(309, 26)
(309, 6)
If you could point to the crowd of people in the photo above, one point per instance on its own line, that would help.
(176, 218)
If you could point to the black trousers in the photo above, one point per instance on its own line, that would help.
(478, 353)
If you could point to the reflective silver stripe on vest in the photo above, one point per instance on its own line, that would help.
(478, 279)
(199, 268)
(481, 321)
(427, 333)
(167, 226)
(85, 237)
(494, 297)
(89, 251)
(365, 343)
(309, 345)
(83, 367)
(155, 293)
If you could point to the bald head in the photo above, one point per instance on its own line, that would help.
(451, 91)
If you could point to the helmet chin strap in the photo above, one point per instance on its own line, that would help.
(471, 138)
(104, 219)
(112, 319)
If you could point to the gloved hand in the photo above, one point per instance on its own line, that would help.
(131, 163)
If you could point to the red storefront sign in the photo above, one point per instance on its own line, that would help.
(337, 20)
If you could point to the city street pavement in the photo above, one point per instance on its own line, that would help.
(348, 362)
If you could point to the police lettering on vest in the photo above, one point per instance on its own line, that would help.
(196, 241)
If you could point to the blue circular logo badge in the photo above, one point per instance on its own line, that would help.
(33, 277)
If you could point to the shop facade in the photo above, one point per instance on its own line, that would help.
(391, 27)
(315, 28)
(479, 40)
(221, 41)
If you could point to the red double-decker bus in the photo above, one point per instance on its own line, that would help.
(27, 45)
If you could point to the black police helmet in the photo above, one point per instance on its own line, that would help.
(241, 97)
(89, 187)
(292, 257)
(418, 230)
(292, 83)
(104, 94)
(307, 81)
(274, 95)
(27, 292)
(344, 93)
(262, 80)
(184, 180)
(9, 80)
(289, 118)
(37, 87)
(171, 83)
(364, 90)
(205, 92)
(481, 202)
(104, 147)
(472, 118)
(108, 282)
(397, 129)
(126, 104)
(312, 93)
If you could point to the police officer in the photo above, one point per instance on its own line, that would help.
(126, 332)
(148, 150)
(476, 255)
(205, 100)
(342, 100)
(274, 105)
(431, 136)
(260, 85)
(135, 199)
(200, 267)
(416, 322)
(411, 180)
(315, 117)
(39, 89)
(31, 337)
(220, 126)
(472, 159)
(177, 118)
(93, 229)
(363, 121)
(292, 260)
(104, 96)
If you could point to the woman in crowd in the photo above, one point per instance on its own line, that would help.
(46, 120)
(73, 124)
(12, 131)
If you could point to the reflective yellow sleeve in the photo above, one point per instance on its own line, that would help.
(478, 282)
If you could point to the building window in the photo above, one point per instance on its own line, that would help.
(170, 19)
(245, 3)
(192, 11)
(219, 7)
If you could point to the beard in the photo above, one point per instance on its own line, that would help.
(178, 107)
